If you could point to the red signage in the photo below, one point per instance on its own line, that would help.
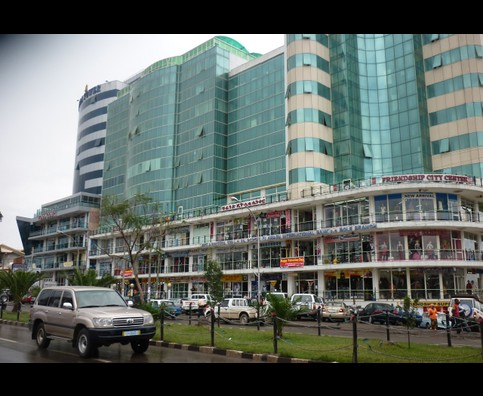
(291, 262)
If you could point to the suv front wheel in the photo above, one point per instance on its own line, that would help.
(140, 346)
(84, 345)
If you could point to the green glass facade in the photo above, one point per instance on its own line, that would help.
(379, 106)
(192, 130)
(256, 130)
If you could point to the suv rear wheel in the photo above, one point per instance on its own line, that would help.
(41, 337)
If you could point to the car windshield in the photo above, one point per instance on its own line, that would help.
(99, 298)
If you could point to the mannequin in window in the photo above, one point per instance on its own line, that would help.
(400, 250)
(383, 248)
(430, 250)
(383, 212)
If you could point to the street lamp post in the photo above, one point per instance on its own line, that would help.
(255, 219)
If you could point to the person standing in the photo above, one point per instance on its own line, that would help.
(469, 287)
(433, 316)
(455, 310)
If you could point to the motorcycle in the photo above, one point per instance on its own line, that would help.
(460, 323)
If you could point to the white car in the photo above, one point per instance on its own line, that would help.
(441, 321)
(234, 309)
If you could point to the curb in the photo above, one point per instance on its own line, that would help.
(13, 323)
(260, 357)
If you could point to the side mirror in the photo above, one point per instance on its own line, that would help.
(67, 305)
(130, 303)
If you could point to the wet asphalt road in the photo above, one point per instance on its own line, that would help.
(16, 346)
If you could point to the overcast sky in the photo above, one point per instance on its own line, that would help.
(42, 77)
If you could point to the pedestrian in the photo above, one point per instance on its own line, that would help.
(433, 316)
(457, 321)
(469, 287)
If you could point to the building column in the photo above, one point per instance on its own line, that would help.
(408, 281)
(375, 283)
(291, 289)
(321, 283)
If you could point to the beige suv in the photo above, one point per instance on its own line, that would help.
(89, 317)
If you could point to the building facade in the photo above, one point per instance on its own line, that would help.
(91, 136)
(355, 161)
(56, 238)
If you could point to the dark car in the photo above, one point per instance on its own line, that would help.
(377, 312)
(411, 318)
(171, 310)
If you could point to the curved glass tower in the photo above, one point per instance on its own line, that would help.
(91, 136)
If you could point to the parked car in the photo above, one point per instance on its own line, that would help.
(426, 322)
(472, 308)
(335, 311)
(377, 312)
(414, 316)
(196, 303)
(307, 304)
(28, 299)
(234, 309)
(170, 308)
(177, 301)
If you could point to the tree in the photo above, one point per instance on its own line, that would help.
(213, 275)
(409, 311)
(283, 308)
(19, 283)
(89, 278)
(138, 223)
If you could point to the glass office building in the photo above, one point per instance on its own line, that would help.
(358, 156)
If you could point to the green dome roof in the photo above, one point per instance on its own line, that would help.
(232, 42)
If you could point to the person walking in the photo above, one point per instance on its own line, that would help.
(433, 316)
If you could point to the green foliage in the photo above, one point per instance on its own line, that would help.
(89, 278)
(19, 283)
(409, 308)
(137, 222)
(35, 290)
(283, 308)
(213, 276)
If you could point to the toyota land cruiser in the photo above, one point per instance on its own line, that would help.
(89, 317)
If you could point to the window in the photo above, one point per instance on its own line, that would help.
(437, 61)
(444, 146)
(367, 151)
(307, 86)
(309, 144)
(479, 51)
(307, 60)
(309, 174)
(289, 91)
(434, 37)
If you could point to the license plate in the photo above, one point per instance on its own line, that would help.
(131, 332)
